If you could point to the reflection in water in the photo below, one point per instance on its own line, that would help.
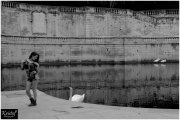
(120, 85)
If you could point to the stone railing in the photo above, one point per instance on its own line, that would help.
(158, 12)
(146, 16)
(97, 10)
(65, 9)
(87, 41)
(152, 12)
(172, 12)
(110, 10)
(9, 4)
(142, 17)
(92, 9)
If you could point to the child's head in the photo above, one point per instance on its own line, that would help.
(34, 56)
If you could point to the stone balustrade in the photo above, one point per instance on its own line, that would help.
(9, 4)
(157, 12)
(153, 12)
(141, 16)
(87, 41)
(93, 9)
(65, 9)
(146, 16)
(172, 11)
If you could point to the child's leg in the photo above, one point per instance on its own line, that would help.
(28, 87)
(34, 88)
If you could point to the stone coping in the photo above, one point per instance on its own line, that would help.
(54, 108)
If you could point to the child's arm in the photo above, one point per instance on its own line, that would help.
(37, 64)
(28, 60)
(24, 64)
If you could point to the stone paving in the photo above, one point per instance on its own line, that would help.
(54, 108)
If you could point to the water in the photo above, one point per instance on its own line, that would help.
(140, 85)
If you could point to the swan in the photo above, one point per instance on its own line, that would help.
(76, 97)
(157, 60)
(163, 60)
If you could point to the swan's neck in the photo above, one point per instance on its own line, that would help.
(70, 94)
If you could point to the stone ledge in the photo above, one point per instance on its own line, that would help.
(22, 40)
(55, 108)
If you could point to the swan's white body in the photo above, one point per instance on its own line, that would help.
(76, 97)
(163, 61)
(157, 60)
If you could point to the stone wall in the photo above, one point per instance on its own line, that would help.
(86, 34)
(118, 49)
(48, 21)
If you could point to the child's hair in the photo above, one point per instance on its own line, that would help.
(33, 54)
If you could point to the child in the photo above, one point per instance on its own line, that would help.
(31, 66)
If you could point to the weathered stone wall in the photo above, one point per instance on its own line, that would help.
(117, 49)
(36, 20)
(85, 34)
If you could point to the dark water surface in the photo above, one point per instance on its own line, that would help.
(140, 85)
